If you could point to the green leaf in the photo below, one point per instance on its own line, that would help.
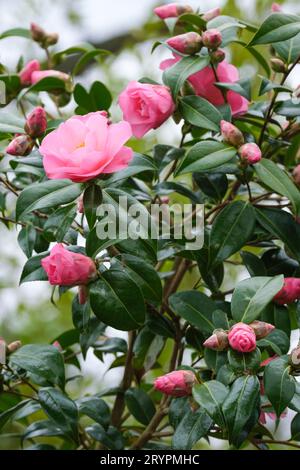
(178, 408)
(42, 428)
(210, 396)
(282, 225)
(117, 300)
(98, 98)
(96, 409)
(193, 427)
(244, 362)
(214, 185)
(288, 50)
(252, 295)
(87, 57)
(33, 270)
(139, 164)
(6, 415)
(139, 405)
(279, 384)
(295, 428)
(277, 27)
(60, 409)
(175, 76)
(169, 187)
(268, 85)
(253, 263)
(90, 333)
(200, 113)
(45, 84)
(231, 230)
(59, 222)
(26, 239)
(295, 401)
(10, 123)
(194, 307)
(16, 32)
(92, 198)
(205, 156)
(279, 181)
(110, 438)
(241, 407)
(43, 361)
(241, 87)
(50, 193)
(215, 359)
(80, 314)
(277, 340)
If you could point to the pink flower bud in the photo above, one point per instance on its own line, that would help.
(218, 341)
(289, 292)
(57, 345)
(39, 75)
(178, 383)
(27, 71)
(242, 338)
(276, 8)
(277, 65)
(188, 43)
(51, 39)
(212, 38)
(66, 268)
(165, 199)
(217, 56)
(36, 122)
(19, 146)
(171, 10)
(37, 32)
(268, 360)
(261, 328)
(211, 14)
(296, 174)
(250, 152)
(14, 346)
(231, 134)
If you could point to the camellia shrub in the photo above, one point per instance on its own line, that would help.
(208, 322)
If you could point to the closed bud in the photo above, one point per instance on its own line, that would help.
(261, 328)
(231, 134)
(211, 14)
(38, 34)
(212, 38)
(277, 65)
(178, 383)
(2, 351)
(14, 346)
(295, 358)
(19, 146)
(172, 10)
(250, 153)
(188, 43)
(36, 122)
(217, 56)
(57, 345)
(51, 39)
(276, 8)
(218, 341)
(289, 292)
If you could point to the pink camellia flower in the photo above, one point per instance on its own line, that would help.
(171, 10)
(39, 75)
(84, 147)
(20, 145)
(145, 106)
(289, 292)
(178, 383)
(187, 43)
(204, 81)
(66, 268)
(231, 134)
(27, 71)
(212, 38)
(276, 8)
(36, 122)
(242, 338)
(250, 152)
(211, 14)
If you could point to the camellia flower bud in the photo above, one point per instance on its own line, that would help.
(289, 292)
(211, 14)
(250, 152)
(217, 56)
(277, 65)
(178, 383)
(14, 346)
(27, 71)
(218, 341)
(39, 75)
(295, 358)
(242, 338)
(51, 39)
(38, 34)
(261, 328)
(231, 134)
(172, 10)
(20, 145)
(276, 8)
(57, 345)
(212, 38)
(296, 174)
(36, 122)
(188, 43)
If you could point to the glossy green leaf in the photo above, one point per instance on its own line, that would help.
(244, 362)
(276, 27)
(193, 427)
(277, 341)
(200, 113)
(279, 384)
(210, 396)
(139, 405)
(96, 409)
(33, 271)
(194, 307)
(92, 198)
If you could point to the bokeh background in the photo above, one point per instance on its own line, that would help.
(128, 28)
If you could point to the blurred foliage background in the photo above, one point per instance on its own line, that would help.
(127, 28)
